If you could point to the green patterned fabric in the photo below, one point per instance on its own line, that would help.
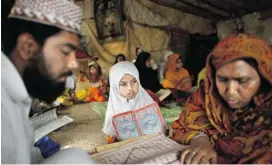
(169, 114)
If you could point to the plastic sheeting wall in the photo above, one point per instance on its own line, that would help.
(139, 12)
(251, 24)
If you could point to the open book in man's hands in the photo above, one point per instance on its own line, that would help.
(47, 122)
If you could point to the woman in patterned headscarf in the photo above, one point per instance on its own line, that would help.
(228, 120)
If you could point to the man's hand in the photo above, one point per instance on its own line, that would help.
(200, 151)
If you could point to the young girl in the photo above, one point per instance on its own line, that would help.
(97, 84)
(126, 94)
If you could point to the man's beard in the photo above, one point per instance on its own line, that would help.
(38, 82)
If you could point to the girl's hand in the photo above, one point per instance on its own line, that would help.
(200, 152)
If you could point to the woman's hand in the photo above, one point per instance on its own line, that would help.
(200, 151)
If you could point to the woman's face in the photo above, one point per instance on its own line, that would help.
(129, 86)
(179, 64)
(237, 82)
(139, 51)
(120, 59)
(148, 62)
(92, 70)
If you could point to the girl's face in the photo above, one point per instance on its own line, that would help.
(120, 59)
(92, 70)
(148, 62)
(129, 86)
(179, 64)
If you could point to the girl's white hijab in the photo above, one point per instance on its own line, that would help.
(118, 104)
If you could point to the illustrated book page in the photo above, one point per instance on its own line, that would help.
(146, 120)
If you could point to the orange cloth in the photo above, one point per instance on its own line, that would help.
(176, 79)
(111, 139)
(240, 136)
(95, 94)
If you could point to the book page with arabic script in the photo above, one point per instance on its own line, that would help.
(44, 118)
(52, 126)
(156, 149)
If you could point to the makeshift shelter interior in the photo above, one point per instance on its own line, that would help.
(190, 28)
(155, 107)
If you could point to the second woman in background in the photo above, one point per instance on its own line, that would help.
(176, 76)
(148, 76)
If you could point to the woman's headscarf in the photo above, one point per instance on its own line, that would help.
(174, 78)
(148, 76)
(236, 47)
(118, 104)
(140, 62)
(166, 55)
(136, 50)
(172, 62)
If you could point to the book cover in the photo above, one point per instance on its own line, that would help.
(143, 121)
(125, 125)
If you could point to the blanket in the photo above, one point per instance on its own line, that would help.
(170, 113)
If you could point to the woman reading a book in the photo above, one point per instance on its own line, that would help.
(228, 120)
(126, 94)
(176, 76)
(148, 76)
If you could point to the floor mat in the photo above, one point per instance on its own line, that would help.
(85, 132)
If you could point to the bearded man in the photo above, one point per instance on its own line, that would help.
(39, 43)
